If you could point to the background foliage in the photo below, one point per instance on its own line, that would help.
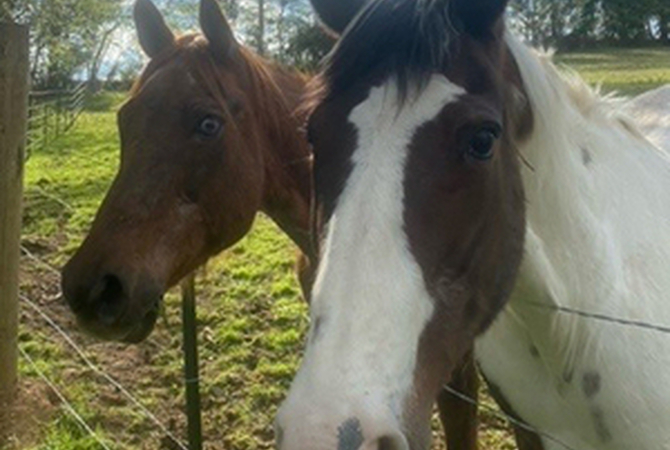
(580, 23)
(94, 40)
(67, 36)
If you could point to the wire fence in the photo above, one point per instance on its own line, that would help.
(68, 341)
(33, 309)
(64, 401)
(51, 114)
(176, 442)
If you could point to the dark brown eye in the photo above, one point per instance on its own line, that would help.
(209, 127)
(481, 143)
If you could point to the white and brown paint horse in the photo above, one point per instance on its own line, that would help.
(651, 113)
(444, 151)
(597, 240)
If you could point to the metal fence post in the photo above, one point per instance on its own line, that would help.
(191, 372)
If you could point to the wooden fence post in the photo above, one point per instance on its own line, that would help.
(13, 117)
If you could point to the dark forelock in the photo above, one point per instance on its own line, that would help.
(405, 39)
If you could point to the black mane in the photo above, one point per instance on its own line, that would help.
(406, 39)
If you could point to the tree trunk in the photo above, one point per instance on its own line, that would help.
(261, 28)
(556, 24)
(93, 82)
(35, 64)
(280, 29)
(664, 27)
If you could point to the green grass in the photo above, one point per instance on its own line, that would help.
(251, 317)
(627, 71)
(250, 313)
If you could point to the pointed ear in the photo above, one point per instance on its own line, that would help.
(216, 29)
(478, 17)
(152, 32)
(337, 14)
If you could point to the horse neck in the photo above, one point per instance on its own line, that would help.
(286, 154)
(555, 174)
(598, 233)
(592, 179)
(587, 183)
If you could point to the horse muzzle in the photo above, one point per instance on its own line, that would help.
(110, 306)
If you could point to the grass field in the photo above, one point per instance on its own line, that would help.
(626, 71)
(251, 317)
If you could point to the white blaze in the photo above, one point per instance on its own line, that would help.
(369, 295)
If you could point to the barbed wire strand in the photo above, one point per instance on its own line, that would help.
(520, 424)
(85, 358)
(65, 403)
(102, 373)
(502, 415)
(602, 317)
(39, 261)
(49, 196)
(562, 309)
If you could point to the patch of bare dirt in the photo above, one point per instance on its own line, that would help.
(31, 410)
(132, 366)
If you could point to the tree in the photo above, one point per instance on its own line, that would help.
(68, 37)
(661, 13)
(277, 28)
(566, 23)
(307, 47)
(624, 20)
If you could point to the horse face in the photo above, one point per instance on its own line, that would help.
(420, 218)
(189, 184)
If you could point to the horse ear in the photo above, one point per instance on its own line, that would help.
(336, 14)
(478, 17)
(152, 32)
(218, 32)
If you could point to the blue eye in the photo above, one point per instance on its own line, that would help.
(209, 127)
(481, 143)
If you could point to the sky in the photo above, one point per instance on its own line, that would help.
(125, 49)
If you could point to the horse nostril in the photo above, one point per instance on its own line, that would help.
(107, 296)
(392, 443)
(385, 444)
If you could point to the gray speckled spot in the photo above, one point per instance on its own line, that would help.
(591, 384)
(604, 434)
(316, 329)
(586, 157)
(568, 373)
(350, 435)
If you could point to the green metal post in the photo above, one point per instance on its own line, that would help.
(191, 363)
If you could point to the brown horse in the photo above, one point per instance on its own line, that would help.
(419, 211)
(208, 139)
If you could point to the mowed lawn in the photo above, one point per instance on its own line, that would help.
(252, 319)
(625, 71)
